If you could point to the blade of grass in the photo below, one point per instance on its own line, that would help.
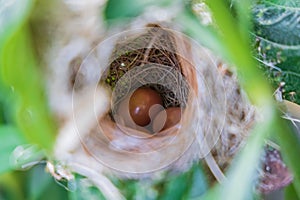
(243, 8)
(242, 174)
(205, 35)
(239, 52)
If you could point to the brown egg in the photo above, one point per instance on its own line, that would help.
(166, 119)
(140, 103)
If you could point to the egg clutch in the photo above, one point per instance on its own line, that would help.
(149, 89)
(145, 109)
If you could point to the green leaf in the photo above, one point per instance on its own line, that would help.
(127, 187)
(188, 185)
(290, 192)
(278, 45)
(54, 191)
(7, 108)
(124, 9)
(20, 72)
(241, 177)
(10, 187)
(199, 184)
(145, 189)
(243, 11)
(205, 35)
(11, 138)
(19, 67)
(176, 187)
(85, 190)
(12, 15)
(38, 182)
(239, 53)
(286, 3)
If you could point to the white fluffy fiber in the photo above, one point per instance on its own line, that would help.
(76, 29)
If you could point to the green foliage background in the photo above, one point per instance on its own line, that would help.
(248, 34)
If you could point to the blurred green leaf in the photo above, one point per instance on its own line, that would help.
(290, 192)
(27, 156)
(38, 182)
(198, 184)
(128, 188)
(242, 175)
(10, 138)
(7, 108)
(243, 10)
(12, 15)
(123, 9)
(54, 191)
(176, 187)
(116, 9)
(85, 190)
(146, 189)
(20, 72)
(188, 185)
(204, 34)
(10, 187)
(239, 53)
(33, 184)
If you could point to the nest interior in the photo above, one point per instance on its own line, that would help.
(157, 46)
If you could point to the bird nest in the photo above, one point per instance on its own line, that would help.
(215, 116)
(88, 80)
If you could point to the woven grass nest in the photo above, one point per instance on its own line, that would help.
(216, 116)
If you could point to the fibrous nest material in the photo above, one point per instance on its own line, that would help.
(216, 117)
(85, 67)
(136, 54)
(216, 110)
